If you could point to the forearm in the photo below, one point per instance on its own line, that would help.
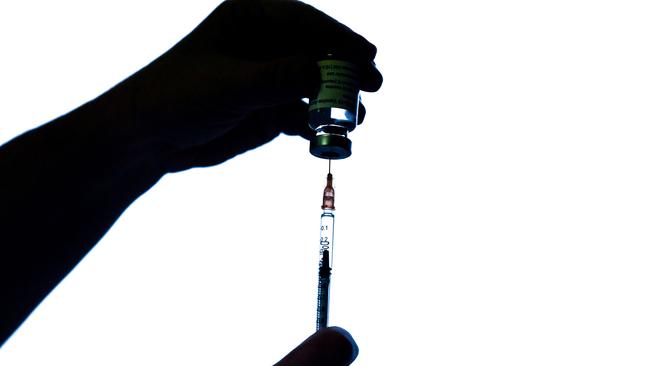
(63, 185)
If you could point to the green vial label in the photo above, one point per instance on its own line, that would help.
(339, 86)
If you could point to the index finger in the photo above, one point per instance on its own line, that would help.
(319, 34)
(261, 30)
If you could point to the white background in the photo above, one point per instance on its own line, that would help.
(495, 210)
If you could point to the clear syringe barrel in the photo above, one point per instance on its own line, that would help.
(324, 268)
(325, 254)
(326, 237)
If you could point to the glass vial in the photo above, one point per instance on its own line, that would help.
(334, 111)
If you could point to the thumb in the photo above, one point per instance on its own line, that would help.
(328, 347)
(280, 81)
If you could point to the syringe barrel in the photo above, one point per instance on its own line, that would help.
(324, 270)
(326, 237)
(323, 299)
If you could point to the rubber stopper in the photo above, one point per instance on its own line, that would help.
(328, 146)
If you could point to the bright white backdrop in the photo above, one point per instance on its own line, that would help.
(495, 210)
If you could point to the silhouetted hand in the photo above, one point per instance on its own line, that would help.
(237, 80)
(328, 347)
(234, 83)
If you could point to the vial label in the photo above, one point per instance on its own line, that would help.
(339, 86)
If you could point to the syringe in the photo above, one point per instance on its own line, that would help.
(325, 262)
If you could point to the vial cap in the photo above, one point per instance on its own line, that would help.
(330, 146)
